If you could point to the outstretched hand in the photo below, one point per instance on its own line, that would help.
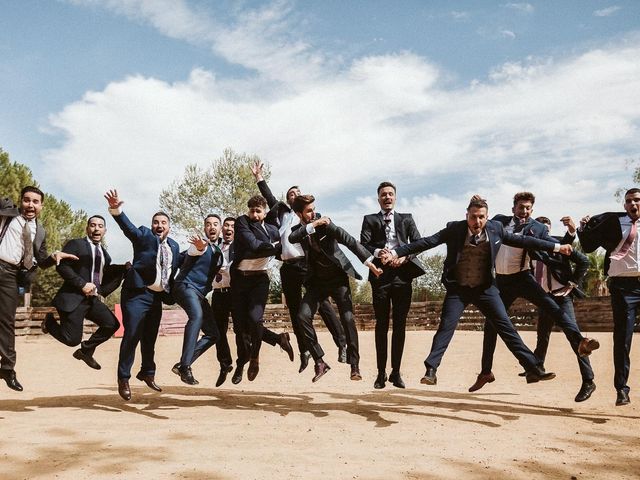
(256, 169)
(59, 256)
(198, 242)
(565, 250)
(376, 270)
(113, 199)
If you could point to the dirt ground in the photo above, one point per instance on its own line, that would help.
(70, 423)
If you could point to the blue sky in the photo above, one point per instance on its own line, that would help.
(446, 99)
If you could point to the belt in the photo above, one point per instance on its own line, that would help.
(251, 273)
(293, 261)
(9, 266)
(222, 290)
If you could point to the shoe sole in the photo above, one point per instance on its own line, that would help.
(428, 381)
(320, 375)
(585, 398)
(541, 379)
(591, 345)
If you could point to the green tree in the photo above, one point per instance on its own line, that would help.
(429, 286)
(223, 188)
(13, 176)
(594, 281)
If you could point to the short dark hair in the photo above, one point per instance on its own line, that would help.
(95, 216)
(544, 220)
(477, 202)
(214, 215)
(229, 219)
(302, 201)
(631, 191)
(160, 213)
(257, 201)
(291, 188)
(386, 184)
(524, 197)
(31, 188)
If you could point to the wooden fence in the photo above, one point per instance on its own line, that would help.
(593, 315)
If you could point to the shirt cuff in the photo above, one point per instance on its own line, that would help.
(310, 229)
(376, 252)
(115, 211)
(556, 248)
(368, 260)
(194, 252)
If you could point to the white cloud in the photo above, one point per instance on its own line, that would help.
(606, 12)
(559, 127)
(459, 15)
(520, 6)
(507, 34)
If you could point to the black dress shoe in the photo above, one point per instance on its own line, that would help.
(585, 391)
(285, 344)
(187, 376)
(482, 380)
(342, 354)
(123, 389)
(355, 373)
(304, 361)
(237, 375)
(396, 379)
(150, 380)
(9, 377)
(430, 377)
(622, 398)
(254, 368)
(537, 374)
(320, 368)
(224, 371)
(380, 381)
(86, 358)
(176, 368)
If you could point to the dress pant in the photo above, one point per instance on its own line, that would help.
(199, 316)
(141, 313)
(70, 329)
(523, 284)
(544, 327)
(292, 276)
(487, 300)
(8, 307)
(249, 297)
(338, 289)
(625, 300)
(390, 298)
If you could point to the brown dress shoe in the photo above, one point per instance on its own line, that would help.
(86, 358)
(285, 344)
(321, 368)
(587, 345)
(123, 389)
(481, 381)
(355, 373)
(254, 368)
(150, 380)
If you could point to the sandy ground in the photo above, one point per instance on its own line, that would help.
(70, 423)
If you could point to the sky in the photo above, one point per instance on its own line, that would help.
(445, 99)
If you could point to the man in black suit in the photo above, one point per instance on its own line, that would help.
(328, 271)
(389, 229)
(617, 233)
(155, 261)
(22, 249)
(469, 277)
(294, 268)
(555, 274)
(86, 281)
(256, 244)
(515, 279)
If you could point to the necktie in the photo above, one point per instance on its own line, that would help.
(97, 261)
(27, 258)
(164, 266)
(633, 233)
(387, 224)
(519, 225)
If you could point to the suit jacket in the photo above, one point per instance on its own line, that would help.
(604, 231)
(76, 273)
(373, 236)
(560, 267)
(251, 241)
(277, 208)
(328, 237)
(454, 236)
(533, 228)
(145, 253)
(199, 270)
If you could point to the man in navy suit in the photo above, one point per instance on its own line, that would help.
(469, 277)
(617, 233)
(23, 248)
(515, 279)
(201, 263)
(256, 244)
(391, 290)
(294, 268)
(328, 272)
(86, 281)
(557, 276)
(146, 284)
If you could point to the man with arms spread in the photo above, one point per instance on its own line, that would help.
(22, 248)
(146, 284)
